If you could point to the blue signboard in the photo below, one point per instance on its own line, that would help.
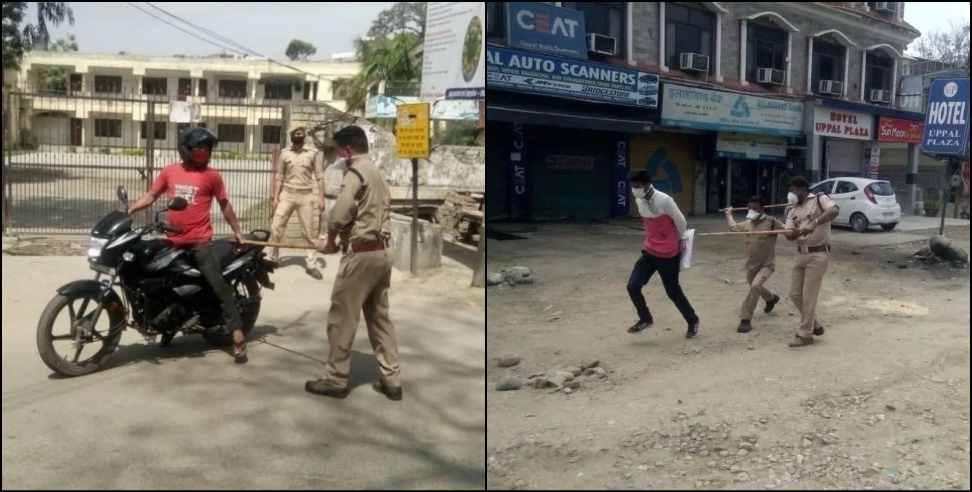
(541, 27)
(620, 181)
(947, 118)
(548, 75)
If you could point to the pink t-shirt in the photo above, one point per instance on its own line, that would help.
(661, 237)
(198, 188)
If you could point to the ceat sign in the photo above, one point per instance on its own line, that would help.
(545, 28)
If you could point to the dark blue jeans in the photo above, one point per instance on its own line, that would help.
(668, 268)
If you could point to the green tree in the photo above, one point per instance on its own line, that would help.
(403, 17)
(300, 50)
(392, 60)
(16, 40)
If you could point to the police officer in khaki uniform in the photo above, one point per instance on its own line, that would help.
(298, 187)
(762, 258)
(809, 220)
(361, 217)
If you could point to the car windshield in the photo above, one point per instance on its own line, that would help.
(882, 188)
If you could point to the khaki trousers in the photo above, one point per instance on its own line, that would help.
(362, 285)
(808, 274)
(307, 206)
(756, 278)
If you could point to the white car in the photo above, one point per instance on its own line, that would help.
(863, 202)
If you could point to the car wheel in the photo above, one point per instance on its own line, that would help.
(889, 227)
(859, 222)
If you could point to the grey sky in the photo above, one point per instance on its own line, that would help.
(266, 27)
(935, 16)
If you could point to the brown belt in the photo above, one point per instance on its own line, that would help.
(813, 249)
(366, 247)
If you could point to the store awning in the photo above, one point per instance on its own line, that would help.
(565, 118)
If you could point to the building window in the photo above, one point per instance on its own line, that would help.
(232, 89)
(154, 86)
(880, 69)
(75, 82)
(203, 87)
(828, 62)
(271, 134)
(604, 18)
(885, 8)
(230, 133)
(160, 128)
(278, 90)
(495, 21)
(688, 30)
(185, 88)
(766, 48)
(108, 128)
(108, 84)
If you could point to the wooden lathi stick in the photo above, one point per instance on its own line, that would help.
(740, 209)
(279, 245)
(754, 233)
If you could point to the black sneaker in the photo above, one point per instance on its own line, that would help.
(326, 388)
(745, 326)
(818, 330)
(393, 393)
(771, 304)
(640, 326)
(693, 329)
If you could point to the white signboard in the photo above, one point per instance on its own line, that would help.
(184, 111)
(454, 57)
(828, 122)
(384, 107)
(753, 147)
(705, 109)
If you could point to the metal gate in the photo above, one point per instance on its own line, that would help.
(65, 155)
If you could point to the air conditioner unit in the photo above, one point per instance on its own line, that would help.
(878, 95)
(885, 7)
(601, 44)
(770, 76)
(693, 61)
(832, 87)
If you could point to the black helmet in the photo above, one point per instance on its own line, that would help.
(195, 137)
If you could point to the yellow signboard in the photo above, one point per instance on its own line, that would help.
(412, 131)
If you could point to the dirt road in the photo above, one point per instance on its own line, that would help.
(881, 400)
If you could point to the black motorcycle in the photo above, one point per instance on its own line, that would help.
(145, 283)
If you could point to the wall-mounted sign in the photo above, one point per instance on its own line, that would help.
(898, 130)
(947, 118)
(728, 112)
(548, 75)
(455, 41)
(749, 146)
(828, 122)
(542, 27)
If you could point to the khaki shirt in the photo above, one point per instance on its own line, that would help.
(362, 212)
(761, 249)
(300, 170)
(806, 212)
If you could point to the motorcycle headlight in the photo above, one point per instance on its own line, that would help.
(95, 247)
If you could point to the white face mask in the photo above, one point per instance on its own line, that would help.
(638, 192)
(754, 215)
(792, 198)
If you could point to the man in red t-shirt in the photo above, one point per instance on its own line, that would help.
(193, 180)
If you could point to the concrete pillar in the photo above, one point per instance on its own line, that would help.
(742, 52)
(728, 183)
(718, 50)
(815, 158)
(810, 66)
(912, 179)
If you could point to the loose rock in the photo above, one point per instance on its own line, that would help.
(509, 383)
(508, 360)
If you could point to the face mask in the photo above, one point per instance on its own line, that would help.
(792, 198)
(200, 156)
(297, 140)
(638, 192)
(754, 215)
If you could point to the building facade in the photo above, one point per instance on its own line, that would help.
(102, 99)
(748, 95)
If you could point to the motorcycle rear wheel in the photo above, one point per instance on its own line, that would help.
(248, 315)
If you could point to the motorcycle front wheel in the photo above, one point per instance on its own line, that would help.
(75, 337)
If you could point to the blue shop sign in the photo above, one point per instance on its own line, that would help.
(548, 75)
(947, 118)
(542, 27)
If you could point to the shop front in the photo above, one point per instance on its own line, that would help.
(845, 140)
(560, 135)
(744, 150)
